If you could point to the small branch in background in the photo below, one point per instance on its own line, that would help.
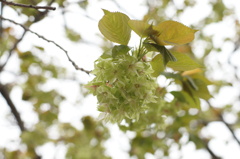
(229, 128)
(11, 51)
(210, 151)
(123, 9)
(27, 5)
(205, 142)
(37, 18)
(226, 124)
(5, 94)
(40, 15)
(50, 41)
(1, 12)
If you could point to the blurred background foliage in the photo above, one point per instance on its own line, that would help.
(185, 120)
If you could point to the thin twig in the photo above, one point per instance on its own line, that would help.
(1, 12)
(210, 151)
(40, 15)
(11, 51)
(5, 94)
(27, 5)
(123, 9)
(229, 128)
(50, 41)
(226, 124)
(36, 19)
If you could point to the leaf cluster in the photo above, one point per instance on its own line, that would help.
(125, 83)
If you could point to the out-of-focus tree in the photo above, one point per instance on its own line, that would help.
(180, 116)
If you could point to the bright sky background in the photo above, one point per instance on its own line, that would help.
(85, 54)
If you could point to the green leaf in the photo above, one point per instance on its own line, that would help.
(201, 91)
(139, 27)
(106, 11)
(167, 56)
(114, 26)
(173, 33)
(176, 76)
(120, 50)
(157, 65)
(107, 54)
(72, 35)
(185, 98)
(35, 137)
(83, 4)
(192, 83)
(198, 141)
(39, 48)
(201, 77)
(183, 63)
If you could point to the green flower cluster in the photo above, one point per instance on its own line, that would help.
(123, 86)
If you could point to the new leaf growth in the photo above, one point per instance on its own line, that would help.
(125, 83)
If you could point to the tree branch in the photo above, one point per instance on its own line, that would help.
(11, 51)
(27, 5)
(226, 124)
(1, 12)
(40, 15)
(205, 141)
(5, 94)
(211, 152)
(37, 18)
(229, 128)
(50, 41)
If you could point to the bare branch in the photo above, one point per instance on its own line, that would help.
(36, 19)
(226, 124)
(1, 12)
(123, 9)
(205, 141)
(50, 41)
(210, 151)
(27, 5)
(230, 129)
(11, 51)
(5, 94)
